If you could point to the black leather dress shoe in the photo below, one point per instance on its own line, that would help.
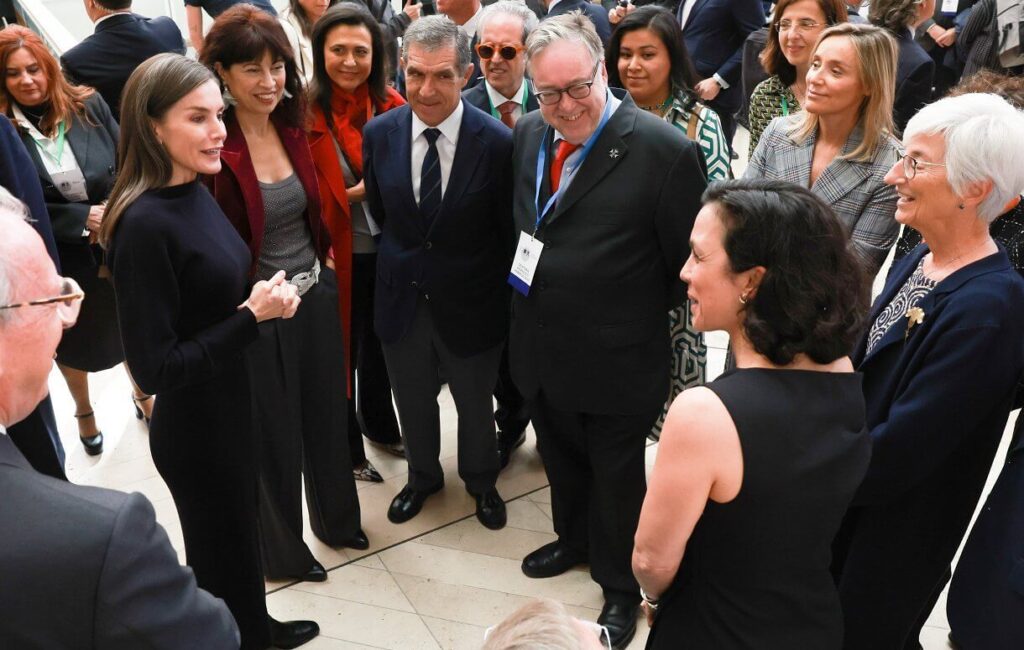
(490, 509)
(551, 560)
(316, 574)
(359, 541)
(620, 621)
(408, 504)
(507, 444)
(292, 634)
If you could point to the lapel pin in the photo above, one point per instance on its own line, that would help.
(915, 316)
(614, 153)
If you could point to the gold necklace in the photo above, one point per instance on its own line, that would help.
(938, 267)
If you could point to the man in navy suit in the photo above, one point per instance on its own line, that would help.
(506, 94)
(596, 14)
(121, 41)
(438, 178)
(714, 32)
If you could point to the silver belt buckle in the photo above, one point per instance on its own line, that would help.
(303, 282)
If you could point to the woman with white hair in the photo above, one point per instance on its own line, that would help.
(940, 361)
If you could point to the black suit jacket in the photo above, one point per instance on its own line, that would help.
(105, 59)
(477, 96)
(458, 262)
(95, 149)
(714, 34)
(915, 73)
(593, 332)
(596, 13)
(85, 567)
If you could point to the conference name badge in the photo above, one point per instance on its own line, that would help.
(524, 265)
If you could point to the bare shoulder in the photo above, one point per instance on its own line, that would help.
(697, 420)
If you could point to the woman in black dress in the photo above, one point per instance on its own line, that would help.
(71, 136)
(181, 277)
(755, 471)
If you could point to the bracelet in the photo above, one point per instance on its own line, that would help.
(651, 602)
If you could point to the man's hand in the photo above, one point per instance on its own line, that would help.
(95, 218)
(947, 38)
(412, 9)
(708, 89)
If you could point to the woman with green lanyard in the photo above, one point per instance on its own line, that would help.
(795, 28)
(72, 138)
(647, 57)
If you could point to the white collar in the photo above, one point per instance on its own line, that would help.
(498, 99)
(449, 128)
(471, 24)
(116, 13)
(3, 430)
(22, 121)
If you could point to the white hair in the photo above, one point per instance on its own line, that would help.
(574, 26)
(512, 8)
(984, 137)
(11, 211)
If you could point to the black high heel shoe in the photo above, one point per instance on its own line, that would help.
(139, 415)
(93, 444)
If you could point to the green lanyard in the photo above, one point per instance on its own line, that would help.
(494, 111)
(785, 106)
(60, 145)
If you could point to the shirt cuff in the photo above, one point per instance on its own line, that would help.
(721, 82)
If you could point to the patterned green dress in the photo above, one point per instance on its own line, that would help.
(689, 352)
(771, 98)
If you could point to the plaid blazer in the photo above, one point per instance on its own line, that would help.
(854, 190)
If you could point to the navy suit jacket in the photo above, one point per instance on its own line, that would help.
(596, 13)
(915, 72)
(477, 96)
(459, 262)
(105, 59)
(714, 35)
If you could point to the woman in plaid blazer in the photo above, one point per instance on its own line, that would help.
(841, 145)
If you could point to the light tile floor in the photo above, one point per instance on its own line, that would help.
(435, 582)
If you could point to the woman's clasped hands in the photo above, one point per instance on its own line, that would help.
(273, 298)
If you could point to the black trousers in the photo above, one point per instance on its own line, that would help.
(595, 464)
(511, 416)
(414, 363)
(371, 411)
(37, 439)
(299, 393)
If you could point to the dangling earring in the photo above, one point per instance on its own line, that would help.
(287, 95)
(229, 99)
(743, 298)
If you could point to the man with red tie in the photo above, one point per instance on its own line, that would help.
(605, 196)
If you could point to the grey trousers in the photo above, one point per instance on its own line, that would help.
(414, 363)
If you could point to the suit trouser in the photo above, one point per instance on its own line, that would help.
(413, 365)
(299, 394)
(595, 464)
(511, 415)
(370, 411)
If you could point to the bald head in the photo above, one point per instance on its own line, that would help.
(28, 335)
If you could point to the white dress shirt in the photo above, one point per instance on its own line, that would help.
(471, 24)
(497, 99)
(445, 147)
(3, 430)
(572, 164)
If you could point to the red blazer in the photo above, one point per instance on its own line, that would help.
(237, 190)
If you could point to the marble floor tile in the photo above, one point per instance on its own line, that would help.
(524, 514)
(360, 584)
(452, 635)
(470, 535)
(327, 643)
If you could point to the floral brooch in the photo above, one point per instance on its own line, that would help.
(915, 316)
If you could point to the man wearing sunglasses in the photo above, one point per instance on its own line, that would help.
(605, 196)
(81, 565)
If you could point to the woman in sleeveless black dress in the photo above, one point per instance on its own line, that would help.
(755, 471)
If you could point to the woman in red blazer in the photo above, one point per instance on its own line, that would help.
(348, 89)
(268, 189)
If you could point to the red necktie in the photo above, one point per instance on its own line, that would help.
(505, 109)
(565, 149)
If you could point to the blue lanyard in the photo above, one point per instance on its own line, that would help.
(542, 156)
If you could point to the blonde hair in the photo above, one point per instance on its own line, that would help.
(540, 624)
(876, 64)
(155, 86)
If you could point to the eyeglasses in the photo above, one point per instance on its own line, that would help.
(579, 90)
(910, 165)
(799, 26)
(506, 51)
(597, 629)
(70, 299)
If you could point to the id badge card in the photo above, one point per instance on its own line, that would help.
(524, 265)
(949, 6)
(71, 185)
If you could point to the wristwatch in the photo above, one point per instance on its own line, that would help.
(651, 602)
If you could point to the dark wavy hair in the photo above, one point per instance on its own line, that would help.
(814, 296)
(245, 33)
(355, 14)
(893, 15)
(772, 59)
(662, 22)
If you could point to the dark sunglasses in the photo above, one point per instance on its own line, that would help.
(507, 52)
